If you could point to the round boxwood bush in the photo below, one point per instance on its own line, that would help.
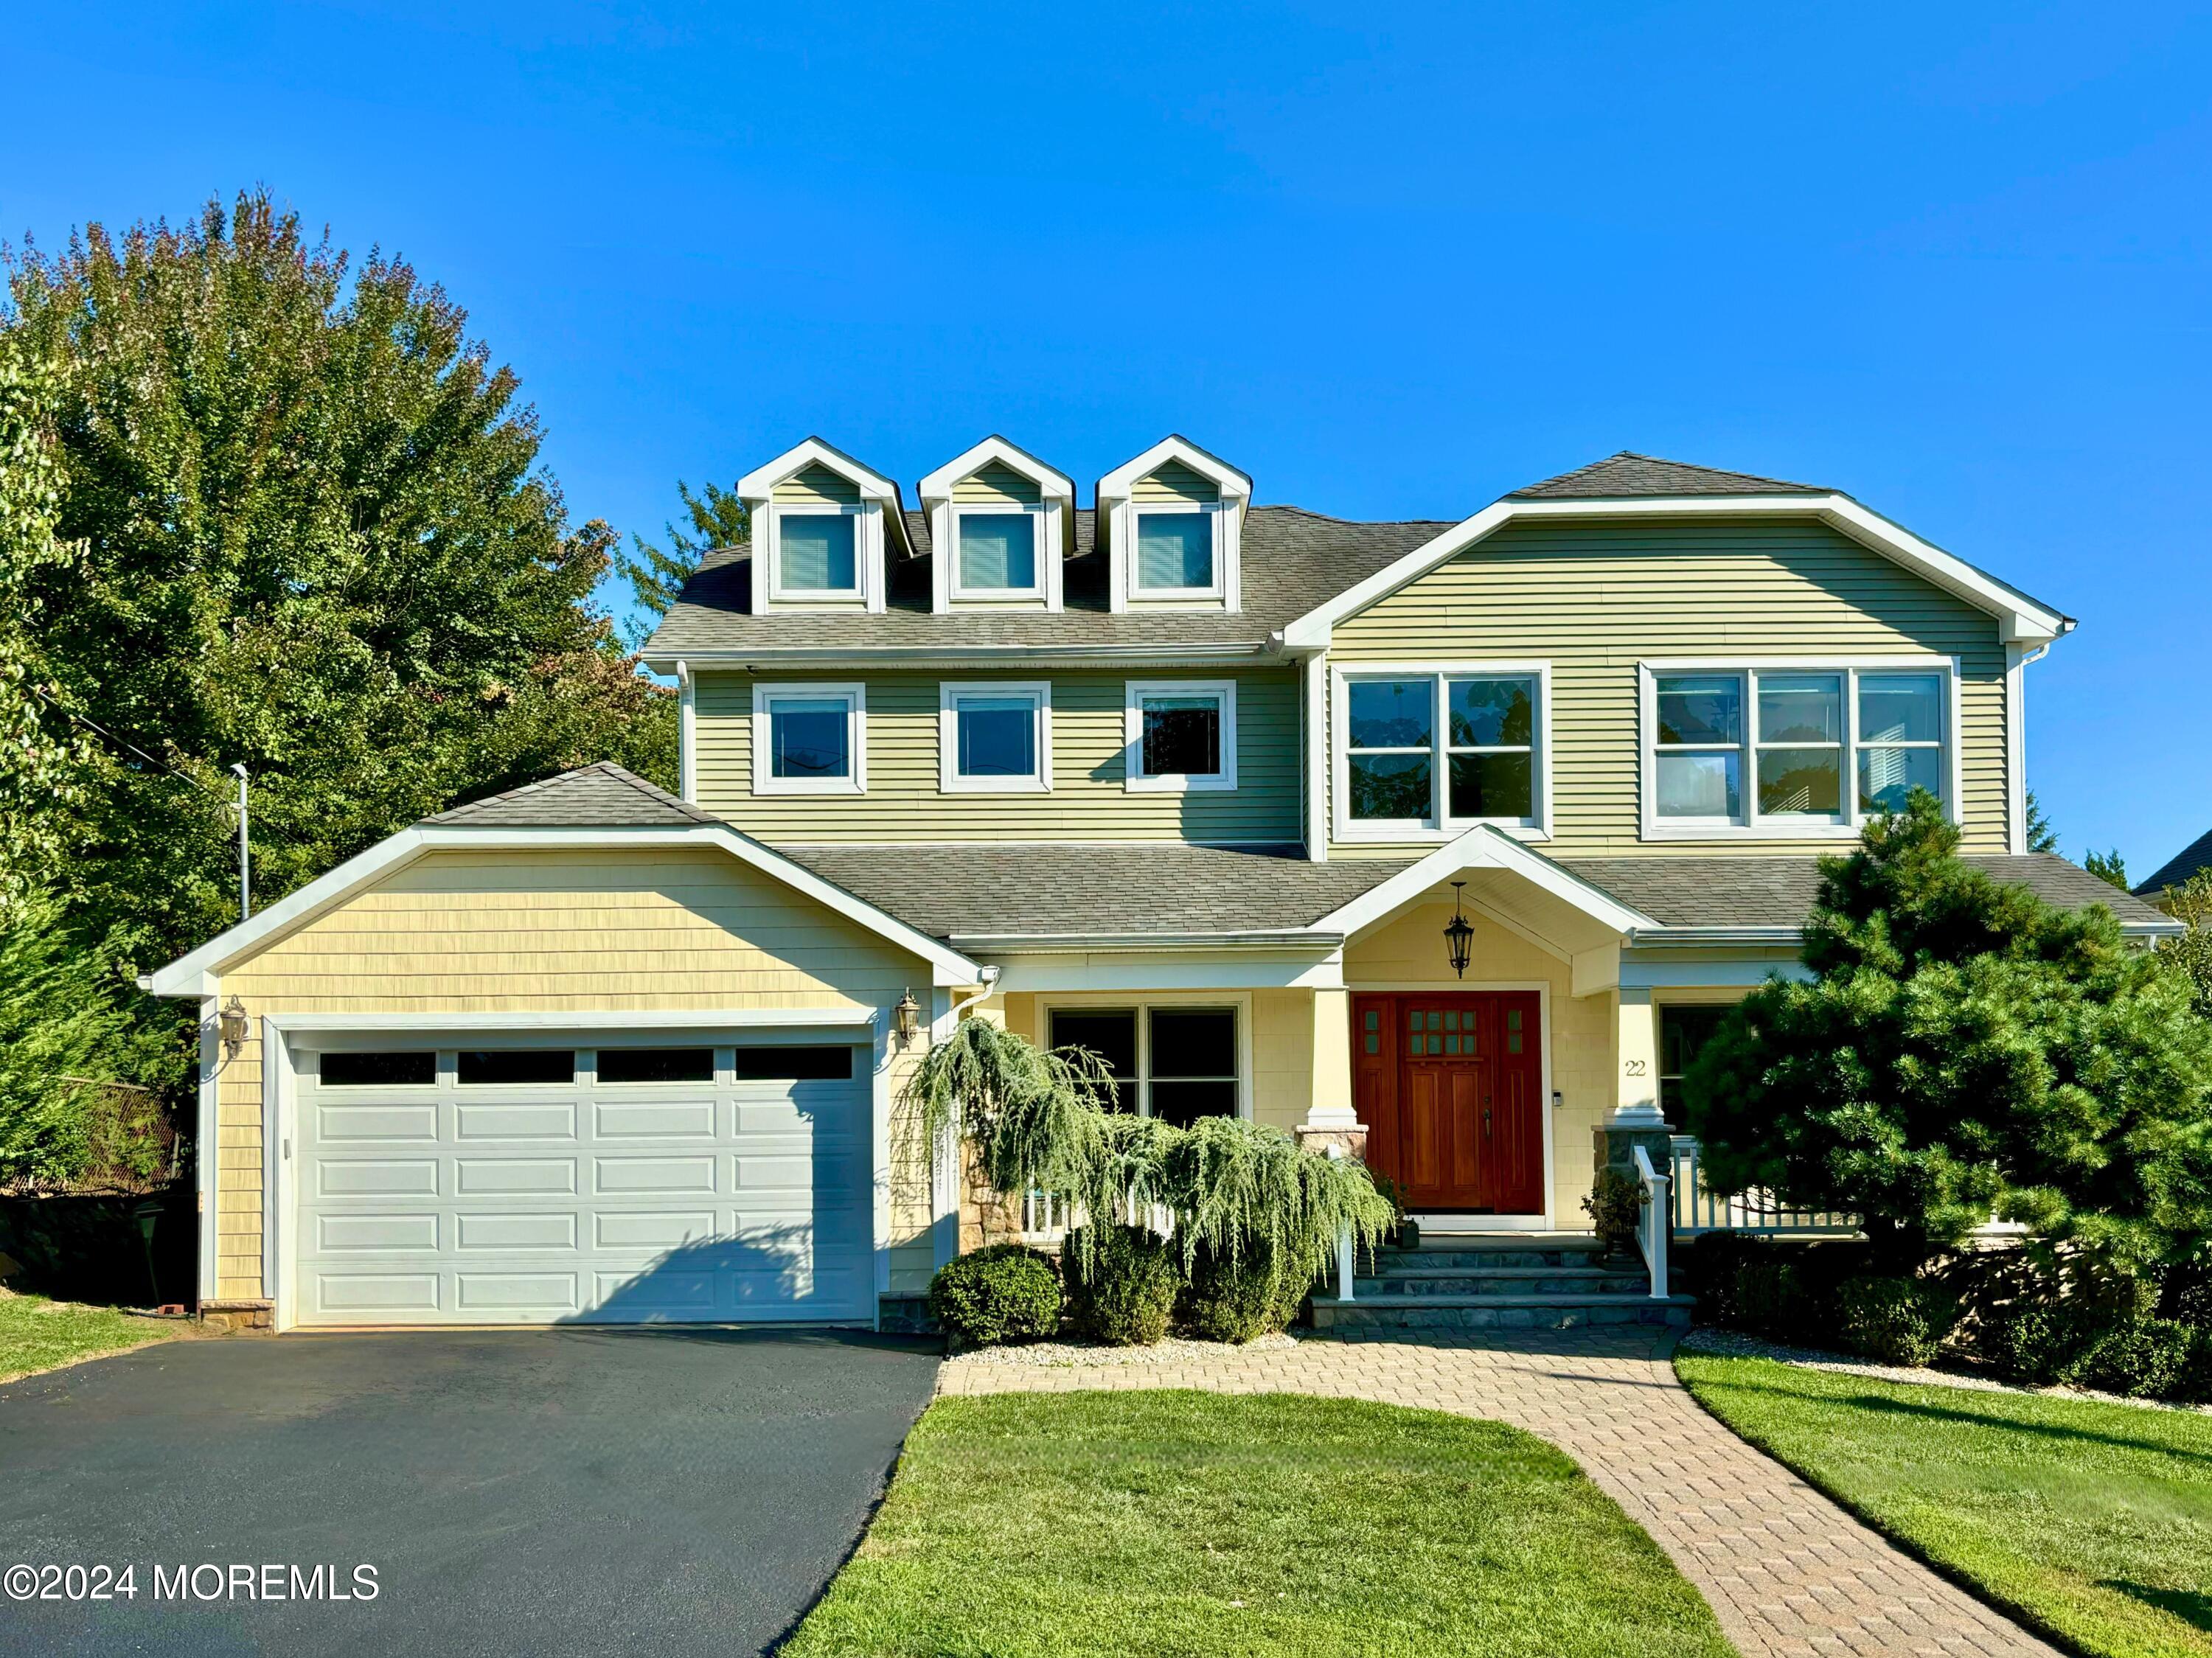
(1896, 1320)
(1001, 1293)
(1236, 1300)
(2152, 1359)
(1121, 1284)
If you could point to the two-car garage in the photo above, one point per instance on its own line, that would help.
(631, 1177)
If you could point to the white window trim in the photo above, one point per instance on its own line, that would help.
(1105, 1002)
(866, 554)
(1438, 826)
(1217, 517)
(1753, 826)
(1134, 779)
(949, 692)
(856, 738)
(1041, 518)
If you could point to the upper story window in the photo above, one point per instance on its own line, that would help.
(994, 738)
(1790, 749)
(810, 739)
(1425, 753)
(1000, 522)
(1172, 520)
(823, 527)
(1180, 736)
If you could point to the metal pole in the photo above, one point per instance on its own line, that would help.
(245, 868)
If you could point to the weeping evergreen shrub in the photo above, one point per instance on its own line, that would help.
(1047, 1119)
(1122, 1284)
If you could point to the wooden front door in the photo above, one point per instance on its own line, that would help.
(1449, 1085)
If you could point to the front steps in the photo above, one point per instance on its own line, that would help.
(1499, 1281)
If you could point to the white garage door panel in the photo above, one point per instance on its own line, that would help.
(612, 1203)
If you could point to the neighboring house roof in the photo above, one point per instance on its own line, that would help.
(1292, 560)
(997, 890)
(1629, 475)
(2195, 857)
(1767, 892)
(597, 796)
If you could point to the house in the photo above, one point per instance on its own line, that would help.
(2192, 859)
(1194, 780)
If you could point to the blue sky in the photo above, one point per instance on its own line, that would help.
(1391, 260)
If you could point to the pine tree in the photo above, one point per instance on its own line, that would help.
(718, 519)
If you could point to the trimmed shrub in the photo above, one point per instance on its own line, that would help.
(2034, 1341)
(1002, 1293)
(1769, 1297)
(1238, 1300)
(1122, 1284)
(2053, 1310)
(2188, 1294)
(2148, 1359)
(1896, 1320)
(1710, 1261)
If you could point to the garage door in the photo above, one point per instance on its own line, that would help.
(617, 1184)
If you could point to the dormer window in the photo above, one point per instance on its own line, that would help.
(825, 527)
(1171, 521)
(1000, 524)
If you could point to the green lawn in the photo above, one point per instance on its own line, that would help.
(2092, 1521)
(39, 1335)
(1157, 1522)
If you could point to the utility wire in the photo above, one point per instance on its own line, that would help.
(125, 742)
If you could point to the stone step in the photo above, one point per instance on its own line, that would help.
(1465, 1254)
(1503, 1281)
(1561, 1312)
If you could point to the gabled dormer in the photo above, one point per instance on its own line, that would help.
(1173, 520)
(1001, 522)
(824, 528)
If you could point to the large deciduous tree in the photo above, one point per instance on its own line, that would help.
(1963, 1049)
(304, 527)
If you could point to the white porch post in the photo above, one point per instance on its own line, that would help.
(1328, 1105)
(1636, 1097)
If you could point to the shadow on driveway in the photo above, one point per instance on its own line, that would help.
(571, 1491)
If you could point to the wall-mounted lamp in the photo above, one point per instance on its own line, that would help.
(905, 1017)
(1458, 935)
(231, 1024)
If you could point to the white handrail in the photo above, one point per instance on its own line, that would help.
(1655, 1221)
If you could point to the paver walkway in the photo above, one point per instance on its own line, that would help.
(1787, 1571)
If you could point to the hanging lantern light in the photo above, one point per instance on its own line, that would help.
(1458, 935)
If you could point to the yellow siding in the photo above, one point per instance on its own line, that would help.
(1595, 599)
(1174, 482)
(1408, 951)
(818, 485)
(572, 930)
(997, 482)
(1087, 801)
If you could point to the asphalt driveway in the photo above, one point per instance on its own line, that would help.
(563, 1491)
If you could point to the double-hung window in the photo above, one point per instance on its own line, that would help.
(1180, 736)
(1791, 750)
(810, 739)
(994, 738)
(817, 552)
(1178, 553)
(995, 553)
(1173, 1062)
(1433, 752)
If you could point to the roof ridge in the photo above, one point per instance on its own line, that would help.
(1561, 482)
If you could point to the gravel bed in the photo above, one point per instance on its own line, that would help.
(1731, 1343)
(1173, 1350)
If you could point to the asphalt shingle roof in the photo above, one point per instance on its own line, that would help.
(601, 796)
(1292, 560)
(2192, 857)
(1628, 475)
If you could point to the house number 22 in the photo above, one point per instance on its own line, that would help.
(1636, 1067)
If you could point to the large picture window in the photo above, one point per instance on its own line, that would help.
(1169, 1061)
(809, 739)
(995, 737)
(1181, 735)
(1791, 750)
(1434, 751)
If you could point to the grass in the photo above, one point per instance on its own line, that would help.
(38, 1334)
(2090, 1522)
(1046, 1526)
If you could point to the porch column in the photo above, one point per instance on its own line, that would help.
(1332, 1118)
(1635, 1097)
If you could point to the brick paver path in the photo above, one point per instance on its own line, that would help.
(1787, 1571)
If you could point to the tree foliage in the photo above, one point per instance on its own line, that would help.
(2041, 836)
(2190, 955)
(2109, 867)
(293, 519)
(1963, 1048)
(715, 519)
